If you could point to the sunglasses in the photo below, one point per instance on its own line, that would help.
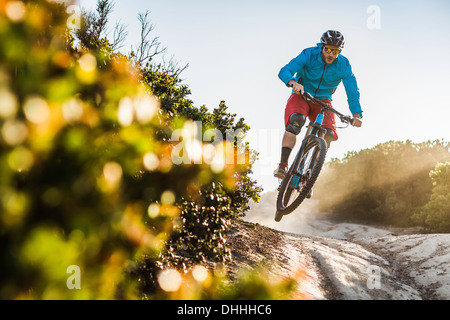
(334, 51)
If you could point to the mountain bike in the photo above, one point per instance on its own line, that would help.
(305, 169)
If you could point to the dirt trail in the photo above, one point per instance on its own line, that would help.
(344, 260)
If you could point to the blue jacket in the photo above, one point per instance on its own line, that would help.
(320, 79)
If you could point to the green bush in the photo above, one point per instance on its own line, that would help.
(87, 177)
(72, 165)
(436, 213)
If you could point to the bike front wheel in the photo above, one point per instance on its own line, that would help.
(301, 176)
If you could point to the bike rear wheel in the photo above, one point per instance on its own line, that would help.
(301, 176)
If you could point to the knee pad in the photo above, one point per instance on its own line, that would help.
(295, 123)
(329, 136)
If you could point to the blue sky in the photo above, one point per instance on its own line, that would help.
(236, 48)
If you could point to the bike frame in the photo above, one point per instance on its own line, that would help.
(297, 171)
(314, 130)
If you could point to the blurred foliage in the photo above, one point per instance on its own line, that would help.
(201, 283)
(70, 160)
(385, 184)
(87, 176)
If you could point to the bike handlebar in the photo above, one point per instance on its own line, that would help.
(308, 97)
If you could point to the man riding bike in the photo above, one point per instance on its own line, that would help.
(318, 71)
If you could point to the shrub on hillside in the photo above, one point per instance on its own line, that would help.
(436, 213)
(87, 178)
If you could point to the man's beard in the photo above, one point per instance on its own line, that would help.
(326, 60)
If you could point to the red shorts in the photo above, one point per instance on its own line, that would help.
(296, 104)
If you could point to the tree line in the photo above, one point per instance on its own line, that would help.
(397, 182)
